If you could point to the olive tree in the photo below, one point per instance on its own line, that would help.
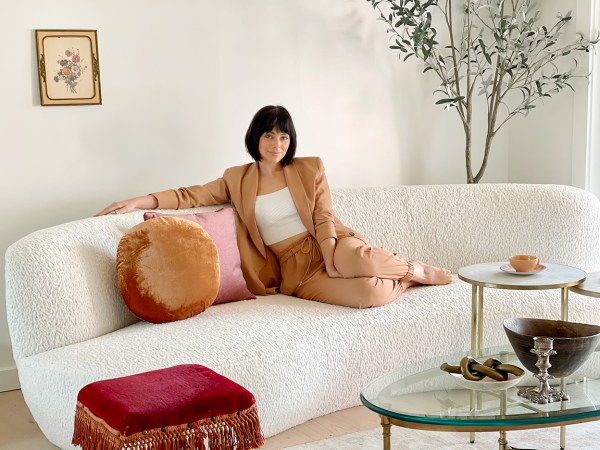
(492, 48)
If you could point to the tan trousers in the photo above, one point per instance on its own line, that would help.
(371, 276)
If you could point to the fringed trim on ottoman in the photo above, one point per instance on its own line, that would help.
(237, 431)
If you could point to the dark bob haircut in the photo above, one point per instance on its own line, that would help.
(266, 119)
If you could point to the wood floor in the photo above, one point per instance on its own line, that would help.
(18, 430)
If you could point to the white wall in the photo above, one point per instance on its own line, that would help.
(550, 144)
(591, 165)
(181, 81)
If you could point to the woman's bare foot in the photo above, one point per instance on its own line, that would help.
(426, 274)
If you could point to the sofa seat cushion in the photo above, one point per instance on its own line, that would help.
(302, 359)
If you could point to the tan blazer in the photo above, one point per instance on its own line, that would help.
(308, 187)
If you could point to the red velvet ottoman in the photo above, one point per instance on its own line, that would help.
(186, 407)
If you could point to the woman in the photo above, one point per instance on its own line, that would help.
(288, 236)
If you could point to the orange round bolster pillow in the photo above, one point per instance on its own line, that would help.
(167, 269)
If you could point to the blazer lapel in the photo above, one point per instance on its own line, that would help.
(299, 196)
(249, 188)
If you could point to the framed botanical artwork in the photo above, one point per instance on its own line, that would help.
(68, 66)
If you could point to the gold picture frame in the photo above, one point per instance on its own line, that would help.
(68, 67)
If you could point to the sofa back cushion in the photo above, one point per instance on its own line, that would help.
(457, 225)
(61, 282)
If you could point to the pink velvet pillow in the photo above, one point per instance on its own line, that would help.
(220, 225)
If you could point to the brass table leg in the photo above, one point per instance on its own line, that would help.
(564, 304)
(480, 320)
(564, 315)
(476, 337)
(473, 400)
(502, 442)
(474, 322)
(385, 423)
(474, 346)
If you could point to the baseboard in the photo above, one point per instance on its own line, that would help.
(9, 379)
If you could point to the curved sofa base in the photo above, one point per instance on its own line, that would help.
(300, 359)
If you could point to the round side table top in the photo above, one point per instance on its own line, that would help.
(491, 275)
(590, 287)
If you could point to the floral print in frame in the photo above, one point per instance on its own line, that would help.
(68, 65)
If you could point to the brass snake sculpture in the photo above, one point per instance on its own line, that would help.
(473, 370)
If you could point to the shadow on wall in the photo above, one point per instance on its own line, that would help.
(6, 356)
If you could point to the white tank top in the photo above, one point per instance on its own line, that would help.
(277, 217)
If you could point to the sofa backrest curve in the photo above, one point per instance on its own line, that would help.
(61, 281)
(457, 225)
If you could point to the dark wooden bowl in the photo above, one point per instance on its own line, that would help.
(573, 343)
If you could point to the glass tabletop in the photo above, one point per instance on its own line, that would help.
(424, 394)
(490, 274)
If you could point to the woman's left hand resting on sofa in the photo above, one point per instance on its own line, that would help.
(125, 206)
(305, 251)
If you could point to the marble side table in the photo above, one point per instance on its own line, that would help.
(555, 276)
(480, 276)
(590, 287)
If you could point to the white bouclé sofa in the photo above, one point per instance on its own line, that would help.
(69, 326)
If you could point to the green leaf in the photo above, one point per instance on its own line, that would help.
(427, 21)
(482, 45)
(523, 59)
(449, 100)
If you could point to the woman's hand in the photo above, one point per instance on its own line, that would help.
(332, 272)
(327, 250)
(125, 206)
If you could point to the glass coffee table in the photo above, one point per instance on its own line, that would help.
(424, 397)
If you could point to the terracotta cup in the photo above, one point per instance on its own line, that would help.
(523, 263)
